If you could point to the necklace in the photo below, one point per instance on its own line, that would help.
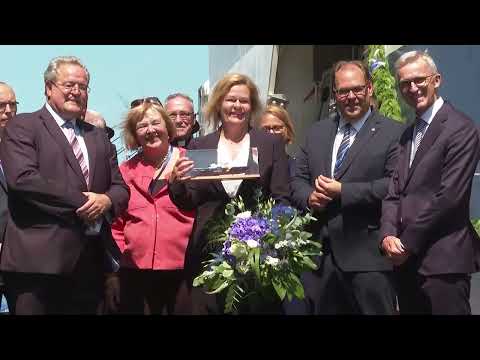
(158, 166)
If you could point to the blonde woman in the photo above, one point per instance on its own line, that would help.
(276, 120)
(232, 108)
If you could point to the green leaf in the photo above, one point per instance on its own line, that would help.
(220, 288)
(308, 262)
(280, 289)
(297, 286)
(254, 261)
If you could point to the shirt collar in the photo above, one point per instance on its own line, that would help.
(357, 125)
(430, 113)
(58, 119)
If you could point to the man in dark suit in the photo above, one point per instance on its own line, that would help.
(64, 187)
(8, 109)
(342, 174)
(426, 230)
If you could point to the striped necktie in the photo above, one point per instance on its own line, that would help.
(421, 127)
(342, 150)
(77, 150)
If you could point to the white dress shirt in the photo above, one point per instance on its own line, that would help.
(356, 126)
(61, 123)
(224, 158)
(427, 116)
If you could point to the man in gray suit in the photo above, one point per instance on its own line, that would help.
(8, 109)
(342, 173)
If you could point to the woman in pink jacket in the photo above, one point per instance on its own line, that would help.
(152, 233)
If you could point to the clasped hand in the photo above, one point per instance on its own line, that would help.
(326, 189)
(394, 249)
(95, 206)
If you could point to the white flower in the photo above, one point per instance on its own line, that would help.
(281, 244)
(273, 261)
(244, 215)
(252, 243)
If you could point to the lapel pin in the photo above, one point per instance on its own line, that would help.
(373, 129)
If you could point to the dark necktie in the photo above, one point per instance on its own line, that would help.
(343, 149)
(421, 127)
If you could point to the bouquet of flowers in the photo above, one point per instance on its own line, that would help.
(258, 253)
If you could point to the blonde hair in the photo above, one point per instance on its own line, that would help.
(212, 110)
(136, 115)
(282, 114)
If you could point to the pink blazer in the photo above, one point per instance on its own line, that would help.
(152, 233)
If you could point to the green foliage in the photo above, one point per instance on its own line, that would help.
(268, 270)
(384, 83)
(476, 225)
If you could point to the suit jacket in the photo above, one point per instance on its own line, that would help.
(45, 184)
(427, 205)
(210, 198)
(351, 222)
(3, 205)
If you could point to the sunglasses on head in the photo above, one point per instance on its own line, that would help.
(151, 99)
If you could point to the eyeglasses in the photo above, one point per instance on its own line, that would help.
(184, 115)
(12, 104)
(357, 91)
(151, 99)
(420, 81)
(275, 128)
(69, 86)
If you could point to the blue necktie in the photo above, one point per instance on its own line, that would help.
(343, 149)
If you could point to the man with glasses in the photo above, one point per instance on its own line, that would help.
(8, 104)
(180, 109)
(64, 189)
(426, 230)
(342, 173)
(8, 109)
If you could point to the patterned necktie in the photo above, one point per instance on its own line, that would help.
(421, 126)
(342, 150)
(77, 150)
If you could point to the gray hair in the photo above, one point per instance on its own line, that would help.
(52, 70)
(175, 95)
(412, 56)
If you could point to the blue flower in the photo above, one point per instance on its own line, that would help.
(253, 228)
(279, 211)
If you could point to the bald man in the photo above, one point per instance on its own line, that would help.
(8, 105)
(96, 119)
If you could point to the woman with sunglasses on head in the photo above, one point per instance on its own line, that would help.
(233, 104)
(152, 233)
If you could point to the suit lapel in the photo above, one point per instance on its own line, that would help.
(3, 181)
(326, 141)
(433, 131)
(88, 137)
(404, 157)
(212, 143)
(366, 133)
(59, 137)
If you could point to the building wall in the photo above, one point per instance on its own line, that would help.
(295, 80)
